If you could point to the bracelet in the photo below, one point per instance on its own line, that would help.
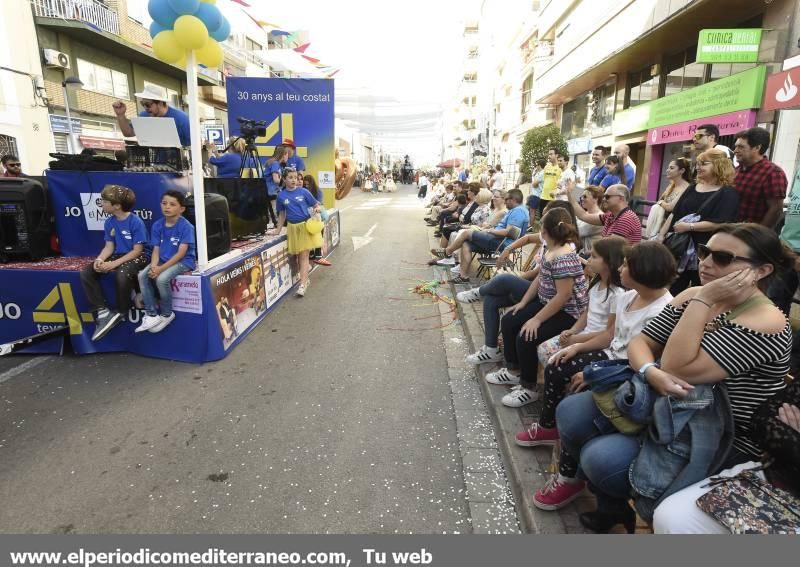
(647, 366)
(697, 299)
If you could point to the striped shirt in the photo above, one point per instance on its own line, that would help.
(626, 224)
(756, 364)
(564, 266)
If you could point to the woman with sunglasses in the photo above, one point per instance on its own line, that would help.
(726, 331)
(702, 208)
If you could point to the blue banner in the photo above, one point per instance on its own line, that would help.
(298, 109)
(75, 197)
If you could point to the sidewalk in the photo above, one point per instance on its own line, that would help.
(528, 468)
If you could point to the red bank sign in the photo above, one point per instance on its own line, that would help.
(782, 90)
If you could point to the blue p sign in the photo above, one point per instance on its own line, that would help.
(216, 135)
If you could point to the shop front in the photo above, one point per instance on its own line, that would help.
(670, 122)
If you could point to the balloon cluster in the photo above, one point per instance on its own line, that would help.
(181, 25)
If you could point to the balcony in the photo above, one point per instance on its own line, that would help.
(93, 13)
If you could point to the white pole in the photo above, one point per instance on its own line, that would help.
(73, 146)
(197, 165)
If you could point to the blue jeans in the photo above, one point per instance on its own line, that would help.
(501, 291)
(162, 282)
(484, 243)
(604, 454)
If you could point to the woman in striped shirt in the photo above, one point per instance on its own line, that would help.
(725, 331)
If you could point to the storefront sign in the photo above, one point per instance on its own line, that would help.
(98, 143)
(783, 90)
(60, 124)
(738, 92)
(728, 45)
(683, 132)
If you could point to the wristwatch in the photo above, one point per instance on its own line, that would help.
(647, 366)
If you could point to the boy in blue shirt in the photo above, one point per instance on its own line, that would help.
(174, 252)
(124, 254)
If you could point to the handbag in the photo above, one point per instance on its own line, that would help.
(747, 504)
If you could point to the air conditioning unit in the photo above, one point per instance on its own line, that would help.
(54, 58)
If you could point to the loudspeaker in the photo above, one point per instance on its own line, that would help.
(247, 200)
(218, 224)
(24, 219)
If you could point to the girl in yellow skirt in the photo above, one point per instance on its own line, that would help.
(295, 205)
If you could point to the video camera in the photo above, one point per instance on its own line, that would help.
(252, 129)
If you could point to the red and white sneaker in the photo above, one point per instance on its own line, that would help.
(537, 435)
(558, 492)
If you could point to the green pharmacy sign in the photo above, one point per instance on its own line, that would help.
(728, 45)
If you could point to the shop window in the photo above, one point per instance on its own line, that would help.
(103, 80)
(642, 87)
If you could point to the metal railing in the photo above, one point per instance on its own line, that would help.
(92, 12)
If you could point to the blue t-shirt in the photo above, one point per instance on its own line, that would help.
(169, 238)
(596, 175)
(272, 187)
(125, 234)
(228, 164)
(297, 163)
(609, 180)
(181, 123)
(518, 216)
(630, 175)
(296, 204)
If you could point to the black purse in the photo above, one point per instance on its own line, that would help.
(678, 242)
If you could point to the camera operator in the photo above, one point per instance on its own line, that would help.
(295, 161)
(154, 100)
(229, 163)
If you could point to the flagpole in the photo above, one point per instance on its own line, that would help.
(197, 162)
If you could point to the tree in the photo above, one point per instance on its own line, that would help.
(536, 144)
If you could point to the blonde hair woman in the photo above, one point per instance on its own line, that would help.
(703, 207)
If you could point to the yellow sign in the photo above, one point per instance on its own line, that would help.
(44, 312)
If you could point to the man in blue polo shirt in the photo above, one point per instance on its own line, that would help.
(154, 100)
(599, 171)
(487, 241)
(622, 151)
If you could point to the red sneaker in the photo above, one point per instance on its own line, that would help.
(557, 493)
(537, 435)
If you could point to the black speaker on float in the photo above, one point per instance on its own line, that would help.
(247, 201)
(218, 223)
(24, 219)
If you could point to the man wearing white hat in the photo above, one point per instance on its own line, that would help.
(154, 100)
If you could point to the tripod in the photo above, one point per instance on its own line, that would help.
(251, 162)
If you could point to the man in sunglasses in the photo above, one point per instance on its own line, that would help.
(12, 166)
(617, 219)
(154, 101)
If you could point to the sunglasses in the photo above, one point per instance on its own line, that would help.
(699, 136)
(721, 258)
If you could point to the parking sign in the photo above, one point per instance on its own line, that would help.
(216, 135)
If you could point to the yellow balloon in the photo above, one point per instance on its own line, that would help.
(190, 32)
(210, 54)
(208, 1)
(166, 48)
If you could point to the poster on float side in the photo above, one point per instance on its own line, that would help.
(298, 109)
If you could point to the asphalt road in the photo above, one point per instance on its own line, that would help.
(323, 420)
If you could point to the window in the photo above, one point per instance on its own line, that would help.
(574, 118)
(682, 71)
(103, 80)
(137, 11)
(527, 88)
(642, 87)
(8, 145)
(722, 70)
(470, 77)
(602, 107)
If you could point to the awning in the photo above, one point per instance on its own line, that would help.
(97, 143)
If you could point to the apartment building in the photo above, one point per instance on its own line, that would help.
(626, 71)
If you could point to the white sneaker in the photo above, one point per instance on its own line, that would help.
(502, 377)
(470, 296)
(446, 262)
(163, 322)
(148, 322)
(519, 397)
(456, 270)
(301, 290)
(484, 355)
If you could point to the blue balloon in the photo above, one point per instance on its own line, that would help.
(184, 7)
(210, 16)
(161, 12)
(223, 31)
(156, 28)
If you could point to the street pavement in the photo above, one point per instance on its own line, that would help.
(335, 415)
